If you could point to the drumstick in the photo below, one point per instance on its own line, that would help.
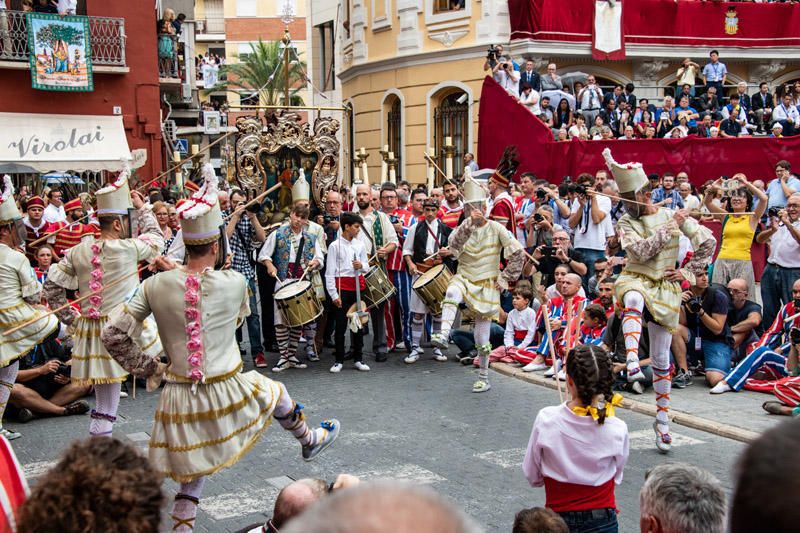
(82, 298)
(305, 272)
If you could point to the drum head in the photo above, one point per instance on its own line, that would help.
(427, 276)
(293, 289)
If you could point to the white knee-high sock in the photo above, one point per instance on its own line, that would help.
(481, 334)
(660, 340)
(417, 326)
(104, 413)
(452, 299)
(632, 328)
(184, 509)
(8, 375)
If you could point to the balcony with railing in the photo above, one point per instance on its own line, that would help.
(211, 28)
(107, 39)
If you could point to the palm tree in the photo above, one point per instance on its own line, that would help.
(262, 71)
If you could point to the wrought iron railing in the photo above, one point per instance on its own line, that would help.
(107, 39)
(451, 119)
(393, 120)
(168, 56)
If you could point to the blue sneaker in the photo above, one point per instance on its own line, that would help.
(326, 434)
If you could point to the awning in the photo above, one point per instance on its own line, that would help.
(63, 142)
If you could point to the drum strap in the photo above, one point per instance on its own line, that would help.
(432, 234)
(297, 269)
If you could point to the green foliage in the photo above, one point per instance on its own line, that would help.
(52, 33)
(254, 69)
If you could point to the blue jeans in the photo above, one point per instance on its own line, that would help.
(253, 322)
(589, 257)
(776, 290)
(594, 521)
(716, 355)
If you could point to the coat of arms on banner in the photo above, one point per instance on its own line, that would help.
(61, 53)
(731, 21)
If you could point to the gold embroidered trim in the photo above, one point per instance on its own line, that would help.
(175, 378)
(93, 356)
(37, 332)
(212, 414)
(3, 310)
(99, 381)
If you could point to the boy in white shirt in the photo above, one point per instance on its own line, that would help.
(520, 324)
(347, 264)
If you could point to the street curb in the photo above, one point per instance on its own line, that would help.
(678, 417)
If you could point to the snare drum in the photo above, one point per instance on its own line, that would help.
(432, 286)
(379, 288)
(298, 304)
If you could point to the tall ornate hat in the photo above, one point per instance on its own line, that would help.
(504, 173)
(115, 199)
(300, 189)
(200, 215)
(630, 177)
(474, 193)
(8, 205)
(73, 204)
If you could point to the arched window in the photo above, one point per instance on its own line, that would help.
(394, 132)
(451, 119)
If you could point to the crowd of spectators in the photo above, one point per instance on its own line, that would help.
(700, 104)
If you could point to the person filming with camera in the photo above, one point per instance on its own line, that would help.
(783, 263)
(560, 253)
(588, 220)
(704, 331)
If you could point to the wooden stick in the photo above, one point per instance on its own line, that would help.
(180, 163)
(82, 298)
(53, 233)
(552, 347)
(430, 160)
(659, 206)
(787, 320)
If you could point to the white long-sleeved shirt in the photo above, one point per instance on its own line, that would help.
(524, 320)
(430, 243)
(341, 255)
(54, 214)
(367, 233)
(294, 242)
(781, 112)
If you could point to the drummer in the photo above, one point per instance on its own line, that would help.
(379, 239)
(420, 252)
(279, 256)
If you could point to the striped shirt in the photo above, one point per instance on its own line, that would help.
(395, 259)
(450, 215)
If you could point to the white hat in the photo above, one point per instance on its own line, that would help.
(777, 126)
(300, 189)
(473, 191)
(115, 199)
(8, 205)
(630, 177)
(200, 216)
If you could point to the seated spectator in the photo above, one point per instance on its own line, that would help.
(736, 112)
(43, 386)
(709, 104)
(606, 134)
(597, 128)
(762, 106)
(573, 473)
(579, 128)
(768, 356)
(539, 520)
(663, 126)
(644, 105)
(777, 131)
(704, 128)
(686, 90)
(765, 495)
(681, 497)
(786, 114)
(295, 498)
(518, 334)
(605, 293)
(363, 509)
(100, 484)
(649, 133)
(611, 115)
(690, 201)
(628, 134)
(593, 324)
(714, 132)
(529, 98)
(787, 389)
(645, 121)
(666, 194)
(704, 331)
(668, 109)
(744, 317)
(684, 110)
(560, 253)
(602, 270)
(563, 115)
(562, 135)
(546, 111)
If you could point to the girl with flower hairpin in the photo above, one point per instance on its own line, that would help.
(578, 449)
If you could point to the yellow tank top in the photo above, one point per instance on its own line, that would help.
(737, 237)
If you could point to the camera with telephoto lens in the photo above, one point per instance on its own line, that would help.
(579, 189)
(541, 194)
(491, 53)
(537, 217)
(694, 304)
(774, 211)
(794, 335)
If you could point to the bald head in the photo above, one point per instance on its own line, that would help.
(294, 498)
(363, 509)
(737, 284)
(223, 198)
(570, 285)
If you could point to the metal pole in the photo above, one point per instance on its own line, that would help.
(286, 40)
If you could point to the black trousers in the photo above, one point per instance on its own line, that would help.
(266, 288)
(356, 339)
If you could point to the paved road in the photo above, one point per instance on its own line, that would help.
(419, 423)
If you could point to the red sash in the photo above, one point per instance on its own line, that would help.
(349, 284)
(520, 334)
(562, 497)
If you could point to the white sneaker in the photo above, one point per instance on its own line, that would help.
(562, 375)
(534, 367)
(336, 368)
(362, 367)
(439, 356)
(550, 372)
(637, 387)
(413, 357)
(720, 388)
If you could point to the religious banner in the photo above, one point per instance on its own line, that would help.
(61, 53)
(608, 41)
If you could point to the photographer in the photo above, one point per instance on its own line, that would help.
(43, 385)
(783, 263)
(507, 77)
(589, 224)
(560, 253)
(704, 331)
(245, 233)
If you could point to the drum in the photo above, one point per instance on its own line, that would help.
(432, 286)
(298, 304)
(379, 288)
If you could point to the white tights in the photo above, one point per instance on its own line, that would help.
(104, 413)
(452, 298)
